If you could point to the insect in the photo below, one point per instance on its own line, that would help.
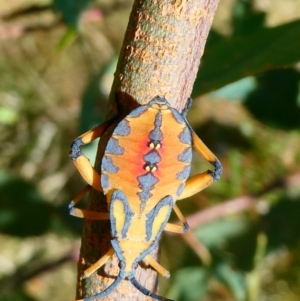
(144, 170)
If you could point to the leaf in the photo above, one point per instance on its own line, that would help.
(278, 90)
(8, 116)
(246, 18)
(282, 223)
(19, 294)
(237, 90)
(234, 280)
(67, 39)
(241, 56)
(93, 101)
(70, 10)
(214, 233)
(190, 284)
(23, 211)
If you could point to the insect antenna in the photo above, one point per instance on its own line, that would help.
(146, 292)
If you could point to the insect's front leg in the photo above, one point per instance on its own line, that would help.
(90, 175)
(201, 181)
(81, 162)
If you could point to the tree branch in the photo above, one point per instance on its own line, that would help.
(240, 204)
(160, 55)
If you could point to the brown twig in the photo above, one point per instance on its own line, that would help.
(160, 55)
(226, 208)
(238, 204)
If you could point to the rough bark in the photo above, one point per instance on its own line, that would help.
(160, 55)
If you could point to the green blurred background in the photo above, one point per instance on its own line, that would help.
(57, 60)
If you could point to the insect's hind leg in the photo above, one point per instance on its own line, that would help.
(170, 227)
(156, 266)
(98, 264)
(202, 180)
(110, 288)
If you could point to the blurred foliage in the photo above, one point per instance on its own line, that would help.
(71, 10)
(257, 51)
(57, 61)
(279, 90)
(23, 210)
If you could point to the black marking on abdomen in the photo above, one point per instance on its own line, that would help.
(180, 189)
(119, 195)
(156, 134)
(177, 116)
(146, 183)
(138, 111)
(183, 175)
(185, 136)
(186, 155)
(113, 147)
(123, 128)
(153, 157)
(144, 196)
(166, 201)
(104, 181)
(108, 165)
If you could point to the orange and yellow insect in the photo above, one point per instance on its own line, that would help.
(144, 171)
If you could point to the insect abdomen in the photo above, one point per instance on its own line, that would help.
(146, 174)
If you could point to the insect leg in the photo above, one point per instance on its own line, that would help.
(177, 228)
(98, 264)
(201, 181)
(110, 288)
(81, 162)
(81, 213)
(156, 266)
(80, 195)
